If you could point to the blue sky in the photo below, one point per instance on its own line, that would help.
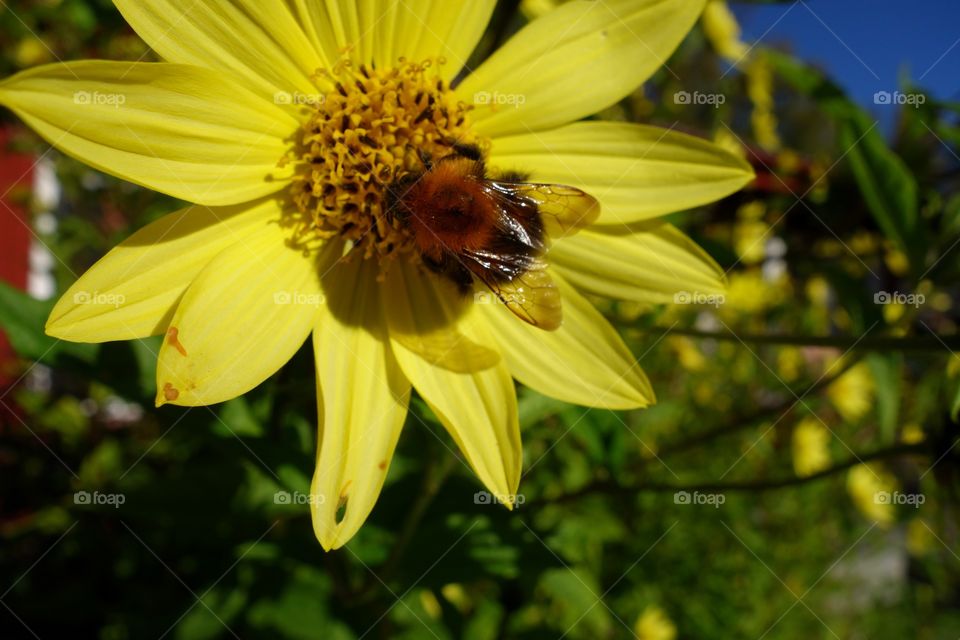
(867, 44)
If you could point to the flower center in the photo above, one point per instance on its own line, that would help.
(376, 128)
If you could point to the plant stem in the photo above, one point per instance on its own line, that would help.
(433, 480)
(762, 414)
(881, 343)
(612, 488)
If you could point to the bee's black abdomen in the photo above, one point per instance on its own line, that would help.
(513, 176)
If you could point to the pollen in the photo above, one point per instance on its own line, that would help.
(375, 128)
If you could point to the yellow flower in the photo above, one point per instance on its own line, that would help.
(727, 140)
(893, 311)
(871, 489)
(811, 452)
(751, 232)
(790, 362)
(32, 51)
(723, 31)
(760, 89)
(897, 261)
(852, 393)
(286, 124)
(818, 291)
(748, 293)
(912, 433)
(689, 356)
(920, 538)
(654, 624)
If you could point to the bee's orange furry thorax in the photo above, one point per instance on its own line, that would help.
(451, 211)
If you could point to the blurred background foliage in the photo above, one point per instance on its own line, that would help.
(772, 492)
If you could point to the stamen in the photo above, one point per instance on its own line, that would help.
(372, 130)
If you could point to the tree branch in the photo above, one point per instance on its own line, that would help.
(607, 487)
(880, 343)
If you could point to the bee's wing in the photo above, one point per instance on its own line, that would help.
(564, 210)
(529, 293)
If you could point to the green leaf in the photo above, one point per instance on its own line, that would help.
(955, 407)
(950, 221)
(888, 187)
(812, 83)
(886, 376)
(208, 618)
(145, 352)
(238, 420)
(574, 596)
(23, 319)
(534, 407)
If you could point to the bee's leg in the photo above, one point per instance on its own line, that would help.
(462, 277)
(450, 267)
(426, 159)
(395, 208)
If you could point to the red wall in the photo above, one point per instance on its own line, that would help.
(16, 182)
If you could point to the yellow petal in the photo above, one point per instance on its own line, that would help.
(342, 28)
(583, 362)
(133, 291)
(636, 172)
(575, 61)
(648, 262)
(362, 399)
(427, 29)
(244, 316)
(479, 410)
(423, 313)
(260, 43)
(185, 131)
